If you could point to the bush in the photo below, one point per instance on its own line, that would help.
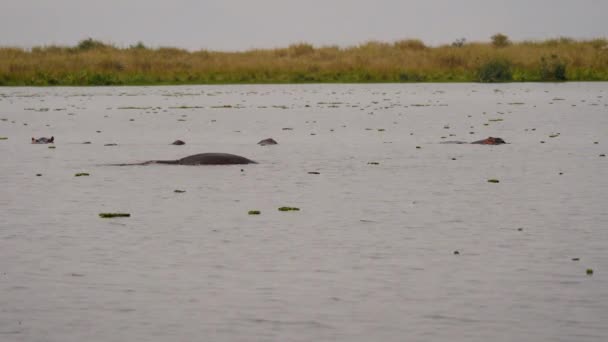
(500, 40)
(496, 70)
(552, 69)
(90, 44)
(410, 44)
(301, 49)
(459, 42)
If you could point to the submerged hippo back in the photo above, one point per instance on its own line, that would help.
(214, 159)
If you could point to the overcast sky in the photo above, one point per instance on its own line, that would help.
(246, 24)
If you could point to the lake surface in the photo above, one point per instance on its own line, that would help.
(370, 256)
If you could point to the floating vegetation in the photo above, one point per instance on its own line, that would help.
(133, 107)
(177, 191)
(187, 107)
(111, 215)
(418, 147)
(289, 209)
(589, 271)
(493, 180)
(3, 138)
(254, 212)
(52, 147)
(81, 174)
(381, 129)
(223, 106)
(554, 135)
(496, 120)
(314, 173)
(373, 163)
(38, 174)
(112, 144)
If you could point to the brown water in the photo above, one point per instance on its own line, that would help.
(369, 257)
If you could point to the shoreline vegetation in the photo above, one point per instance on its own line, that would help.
(95, 63)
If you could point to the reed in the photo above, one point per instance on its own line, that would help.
(92, 62)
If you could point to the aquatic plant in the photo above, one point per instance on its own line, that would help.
(111, 215)
(493, 181)
(81, 174)
(254, 212)
(289, 209)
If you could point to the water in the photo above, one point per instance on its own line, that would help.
(369, 257)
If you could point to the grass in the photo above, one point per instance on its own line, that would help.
(95, 63)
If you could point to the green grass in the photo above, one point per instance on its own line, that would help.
(92, 62)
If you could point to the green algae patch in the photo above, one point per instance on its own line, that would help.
(112, 215)
(493, 181)
(373, 163)
(178, 191)
(52, 147)
(289, 209)
(81, 174)
(3, 138)
(589, 271)
(254, 212)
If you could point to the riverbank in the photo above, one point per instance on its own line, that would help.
(92, 62)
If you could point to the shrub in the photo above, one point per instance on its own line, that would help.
(496, 70)
(500, 40)
(90, 44)
(410, 44)
(459, 42)
(552, 69)
(301, 49)
(139, 46)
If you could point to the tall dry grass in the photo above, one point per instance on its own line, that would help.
(94, 63)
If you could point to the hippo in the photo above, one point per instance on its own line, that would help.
(201, 159)
(487, 141)
(268, 141)
(490, 141)
(178, 142)
(43, 140)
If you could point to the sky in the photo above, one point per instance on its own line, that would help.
(236, 25)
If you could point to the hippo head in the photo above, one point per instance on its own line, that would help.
(497, 141)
